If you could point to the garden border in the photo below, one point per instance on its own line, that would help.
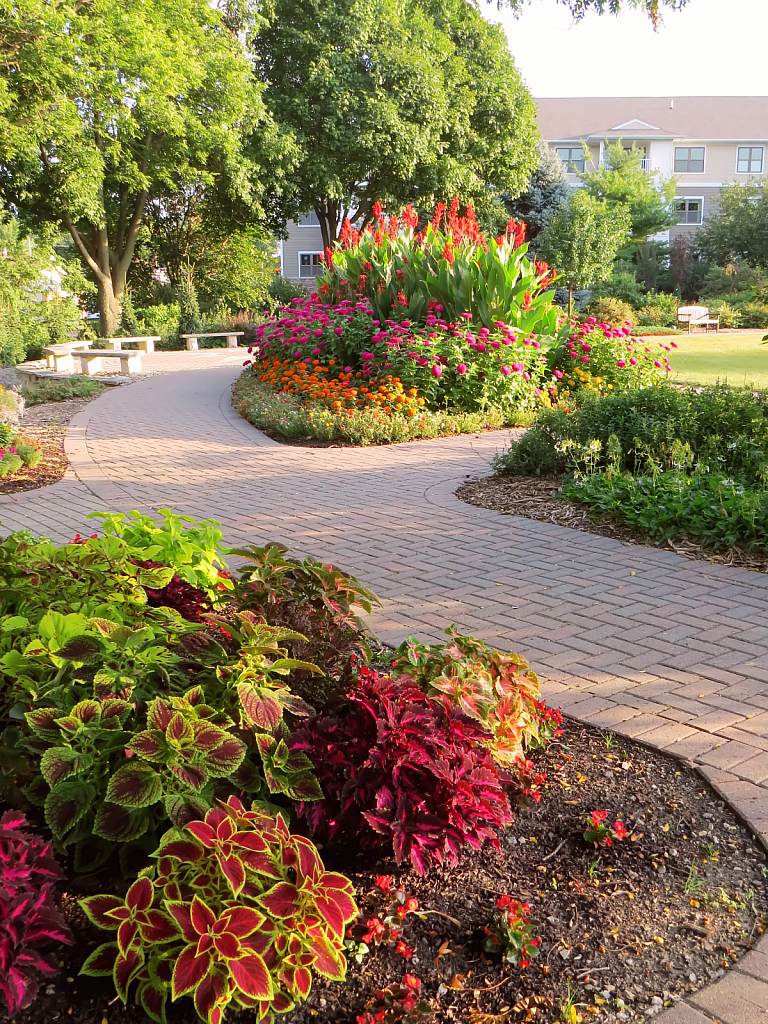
(741, 995)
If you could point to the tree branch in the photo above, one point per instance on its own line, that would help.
(78, 240)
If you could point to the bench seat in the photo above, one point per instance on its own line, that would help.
(231, 336)
(91, 361)
(144, 344)
(59, 357)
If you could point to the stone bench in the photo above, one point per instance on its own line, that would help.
(231, 336)
(59, 357)
(91, 361)
(146, 344)
(33, 375)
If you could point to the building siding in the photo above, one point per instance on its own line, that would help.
(299, 239)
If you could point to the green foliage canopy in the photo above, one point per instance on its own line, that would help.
(396, 100)
(103, 103)
(582, 239)
(740, 230)
(621, 179)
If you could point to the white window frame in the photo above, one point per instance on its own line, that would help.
(315, 252)
(689, 148)
(689, 223)
(751, 148)
(570, 169)
(310, 225)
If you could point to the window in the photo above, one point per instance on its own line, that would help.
(689, 210)
(749, 160)
(572, 157)
(310, 264)
(308, 220)
(642, 150)
(689, 159)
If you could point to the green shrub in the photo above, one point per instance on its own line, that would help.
(60, 390)
(658, 310)
(723, 428)
(729, 315)
(161, 320)
(754, 314)
(710, 507)
(29, 454)
(190, 321)
(622, 284)
(611, 311)
(129, 325)
(283, 292)
(10, 463)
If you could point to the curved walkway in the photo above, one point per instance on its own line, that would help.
(653, 646)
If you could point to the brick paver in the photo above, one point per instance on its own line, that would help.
(641, 641)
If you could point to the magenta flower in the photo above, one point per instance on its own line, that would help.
(657, 363)
(437, 370)
(633, 361)
(621, 364)
(461, 368)
(338, 330)
(506, 371)
(559, 374)
(480, 347)
(585, 359)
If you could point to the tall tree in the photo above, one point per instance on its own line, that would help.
(739, 231)
(582, 239)
(649, 199)
(579, 8)
(546, 192)
(104, 103)
(395, 100)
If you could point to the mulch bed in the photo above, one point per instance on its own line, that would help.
(625, 931)
(535, 497)
(46, 425)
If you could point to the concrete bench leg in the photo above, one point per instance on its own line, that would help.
(147, 346)
(231, 341)
(62, 364)
(114, 346)
(91, 365)
(191, 344)
(130, 363)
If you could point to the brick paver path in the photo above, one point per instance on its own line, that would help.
(667, 650)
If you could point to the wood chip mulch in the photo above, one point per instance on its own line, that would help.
(535, 497)
(46, 425)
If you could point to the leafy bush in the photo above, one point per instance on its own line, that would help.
(405, 769)
(236, 913)
(283, 292)
(161, 320)
(614, 312)
(721, 428)
(729, 315)
(710, 507)
(61, 390)
(29, 917)
(622, 285)
(11, 407)
(754, 314)
(658, 310)
(190, 321)
(401, 271)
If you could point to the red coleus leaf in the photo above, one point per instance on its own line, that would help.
(202, 831)
(182, 915)
(233, 871)
(191, 775)
(335, 908)
(243, 921)
(227, 946)
(158, 927)
(189, 971)
(203, 918)
(126, 933)
(101, 962)
(252, 976)
(96, 909)
(310, 864)
(282, 900)
(140, 894)
(209, 994)
(329, 961)
(152, 995)
(182, 849)
(125, 970)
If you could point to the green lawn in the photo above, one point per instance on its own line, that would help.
(708, 358)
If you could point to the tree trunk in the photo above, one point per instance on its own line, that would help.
(327, 214)
(110, 307)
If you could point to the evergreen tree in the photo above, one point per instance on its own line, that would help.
(129, 326)
(547, 191)
(190, 321)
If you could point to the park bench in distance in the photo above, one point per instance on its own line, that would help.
(231, 336)
(697, 316)
(59, 357)
(146, 344)
(91, 361)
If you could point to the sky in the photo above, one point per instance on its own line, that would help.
(710, 48)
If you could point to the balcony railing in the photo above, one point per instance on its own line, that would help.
(645, 163)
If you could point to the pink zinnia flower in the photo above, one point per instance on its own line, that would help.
(461, 368)
(506, 371)
(621, 364)
(633, 361)
(437, 370)
(559, 374)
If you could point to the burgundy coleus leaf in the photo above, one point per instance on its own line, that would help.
(157, 927)
(120, 824)
(329, 961)
(251, 976)
(182, 914)
(203, 832)
(149, 745)
(259, 707)
(59, 763)
(152, 995)
(242, 921)
(114, 708)
(126, 934)
(191, 775)
(181, 849)
(207, 736)
(282, 900)
(179, 731)
(202, 917)
(42, 723)
(189, 971)
(298, 980)
(98, 910)
(135, 785)
(159, 714)
(101, 962)
(227, 757)
(233, 870)
(126, 968)
(210, 994)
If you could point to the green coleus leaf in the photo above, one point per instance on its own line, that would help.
(81, 649)
(13, 623)
(135, 785)
(226, 758)
(149, 744)
(120, 824)
(42, 723)
(59, 763)
(66, 804)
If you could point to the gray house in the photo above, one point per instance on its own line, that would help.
(300, 252)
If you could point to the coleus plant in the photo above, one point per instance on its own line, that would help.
(29, 917)
(498, 690)
(406, 769)
(236, 912)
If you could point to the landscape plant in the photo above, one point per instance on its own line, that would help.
(512, 933)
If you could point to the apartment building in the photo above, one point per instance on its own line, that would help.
(705, 141)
